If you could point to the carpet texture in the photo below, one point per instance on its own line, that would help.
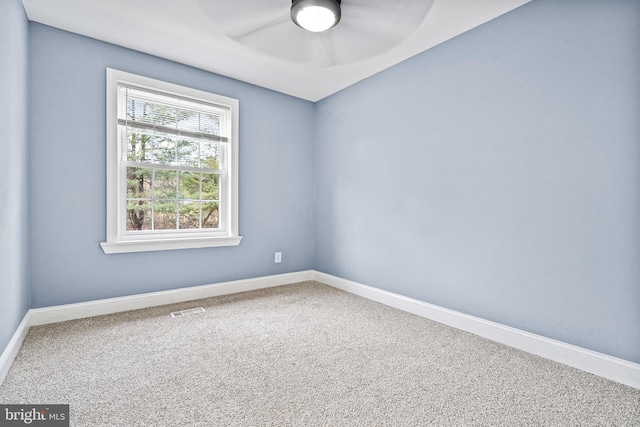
(300, 355)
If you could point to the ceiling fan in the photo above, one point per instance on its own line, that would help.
(316, 15)
(367, 27)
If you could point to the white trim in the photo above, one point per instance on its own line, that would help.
(164, 245)
(60, 313)
(118, 240)
(609, 367)
(11, 351)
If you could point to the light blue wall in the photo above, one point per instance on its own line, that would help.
(14, 185)
(67, 95)
(497, 174)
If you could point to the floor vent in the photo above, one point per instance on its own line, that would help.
(188, 312)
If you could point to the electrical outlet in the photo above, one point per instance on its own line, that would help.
(278, 257)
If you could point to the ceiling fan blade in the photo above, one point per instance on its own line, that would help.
(237, 18)
(302, 46)
(248, 30)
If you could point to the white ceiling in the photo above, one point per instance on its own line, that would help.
(256, 42)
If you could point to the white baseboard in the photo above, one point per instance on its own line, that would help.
(609, 367)
(11, 351)
(612, 368)
(60, 313)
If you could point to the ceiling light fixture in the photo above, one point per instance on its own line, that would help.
(315, 15)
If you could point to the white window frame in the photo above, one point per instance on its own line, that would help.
(121, 241)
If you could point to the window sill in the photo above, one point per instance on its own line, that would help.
(167, 245)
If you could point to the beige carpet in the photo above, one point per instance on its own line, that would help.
(303, 355)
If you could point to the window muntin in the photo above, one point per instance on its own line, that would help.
(173, 153)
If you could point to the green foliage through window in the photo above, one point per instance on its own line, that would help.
(175, 183)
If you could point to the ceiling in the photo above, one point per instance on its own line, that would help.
(256, 42)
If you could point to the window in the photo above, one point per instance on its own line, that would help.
(172, 166)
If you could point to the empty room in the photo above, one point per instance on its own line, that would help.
(320, 213)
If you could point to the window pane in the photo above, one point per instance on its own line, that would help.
(189, 186)
(138, 215)
(209, 124)
(210, 215)
(210, 186)
(188, 152)
(188, 120)
(138, 147)
(165, 184)
(138, 183)
(163, 115)
(139, 110)
(164, 215)
(209, 155)
(164, 149)
(189, 215)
